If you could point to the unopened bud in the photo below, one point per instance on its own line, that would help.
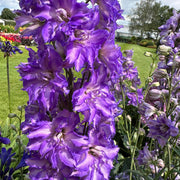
(160, 73)
(162, 57)
(18, 140)
(147, 109)
(174, 101)
(155, 84)
(160, 163)
(148, 54)
(154, 94)
(165, 92)
(164, 50)
(141, 132)
(129, 118)
(12, 115)
(19, 108)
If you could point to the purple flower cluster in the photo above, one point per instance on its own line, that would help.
(161, 107)
(127, 84)
(8, 49)
(70, 121)
(6, 169)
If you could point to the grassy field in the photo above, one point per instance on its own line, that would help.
(141, 61)
(19, 97)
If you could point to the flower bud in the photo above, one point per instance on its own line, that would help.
(141, 132)
(165, 92)
(18, 140)
(19, 108)
(129, 118)
(148, 54)
(155, 84)
(12, 115)
(160, 73)
(153, 168)
(154, 94)
(162, 57)
(160, 163)
(164, 50)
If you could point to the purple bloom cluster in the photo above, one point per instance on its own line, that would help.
(6, 169)
(7, 48)
(70, 121)
(127, 84)
(161, 107)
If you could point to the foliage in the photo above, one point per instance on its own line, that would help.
(147, 43)
(148, 16)
(7, 14)
(8, 29)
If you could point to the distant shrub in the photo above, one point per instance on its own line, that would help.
(150, 43)
(146, 43)
(133, 39)
(10, 23)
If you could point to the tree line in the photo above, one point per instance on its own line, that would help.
(147, 16)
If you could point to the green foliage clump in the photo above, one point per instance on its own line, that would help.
(7, 14)
(147, 43)
(8, 29)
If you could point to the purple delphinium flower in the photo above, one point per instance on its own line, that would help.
(53, 140)
(161, 129)
(5, 157)
(146, 157)
(41, 168)
(4, 140)
(94, 161)
(43, 79)
(8, 49)
(47, 17)
(135, 98)
(109, 56)
(82, 37)
(170, 30)
(110, 12)
(95, 97)
(85, 48)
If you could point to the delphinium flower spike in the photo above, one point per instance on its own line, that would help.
(65, 113)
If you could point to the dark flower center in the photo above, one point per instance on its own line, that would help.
(164, 128)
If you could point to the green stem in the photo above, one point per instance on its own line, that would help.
(8, 83)
(170, 87)
(169, 159)
(134, 150)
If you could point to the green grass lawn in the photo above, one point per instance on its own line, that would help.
(19, 97)
(141, 61)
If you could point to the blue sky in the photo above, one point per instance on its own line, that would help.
(11, 4)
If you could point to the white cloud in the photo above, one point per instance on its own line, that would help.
(127, 5)
(11, 4)
(174, 4)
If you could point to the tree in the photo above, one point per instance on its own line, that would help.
(7, 14)
(148, 16)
